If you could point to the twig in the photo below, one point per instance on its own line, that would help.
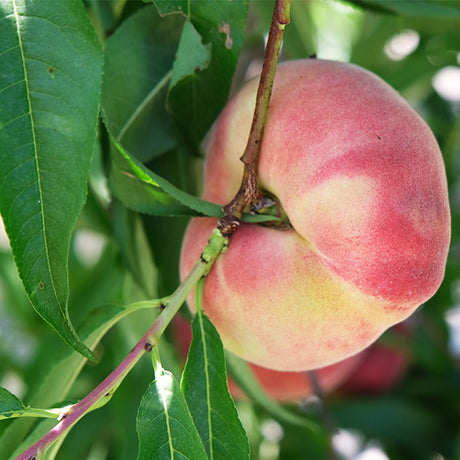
(249, 188)
(105, 389)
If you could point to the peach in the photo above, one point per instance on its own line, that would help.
(281, 386)
(362, 181)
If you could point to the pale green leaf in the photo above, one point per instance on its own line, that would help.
(191, 54)
(443, 9)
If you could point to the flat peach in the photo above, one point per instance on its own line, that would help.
(362, 181)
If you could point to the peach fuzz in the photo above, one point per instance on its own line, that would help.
(362, 181)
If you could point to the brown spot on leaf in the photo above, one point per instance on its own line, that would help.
(225, 29)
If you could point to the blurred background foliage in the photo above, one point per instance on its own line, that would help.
(119, 256)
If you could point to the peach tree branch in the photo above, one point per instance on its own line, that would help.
(249, 189)
(104, 391)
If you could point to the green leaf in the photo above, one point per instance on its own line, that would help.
(142, 190)
(204, 384)
(164, 425)
(51, 65)
(191, 54)
(10, 405)
(61, 372)
(428, 8)
(139, 58)
(139, 188)
(197, 96)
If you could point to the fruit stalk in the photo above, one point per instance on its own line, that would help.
(249, 188)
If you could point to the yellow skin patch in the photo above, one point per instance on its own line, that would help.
(269, 281)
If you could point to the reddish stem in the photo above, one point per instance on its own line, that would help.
(249, 188)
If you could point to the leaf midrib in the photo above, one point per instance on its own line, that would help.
(208, 390)
(151, 95)
(34, 139)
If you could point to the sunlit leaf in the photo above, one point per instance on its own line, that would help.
(142, 190)
(204, 383)
(164, 425)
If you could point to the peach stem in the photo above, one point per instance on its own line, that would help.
(249, 189)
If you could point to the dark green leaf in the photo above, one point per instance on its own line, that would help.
(204, 383)
(431, 8)
(142, 190)
(139, 58)
(197, 98)
(51, 65)
(164, 425)
(9, 404)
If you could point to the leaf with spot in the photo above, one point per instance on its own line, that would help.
(164, 425)
(50, 76)
(204, 384)
(10, 405)
(205, 61)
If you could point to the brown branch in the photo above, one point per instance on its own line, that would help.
(249, 188)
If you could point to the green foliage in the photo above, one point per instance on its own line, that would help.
(202, 73)
(139, 58)
(130, 121)
(164, 424)
(428, 8)
(49, 99)
(10, 405)
(204, 384)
